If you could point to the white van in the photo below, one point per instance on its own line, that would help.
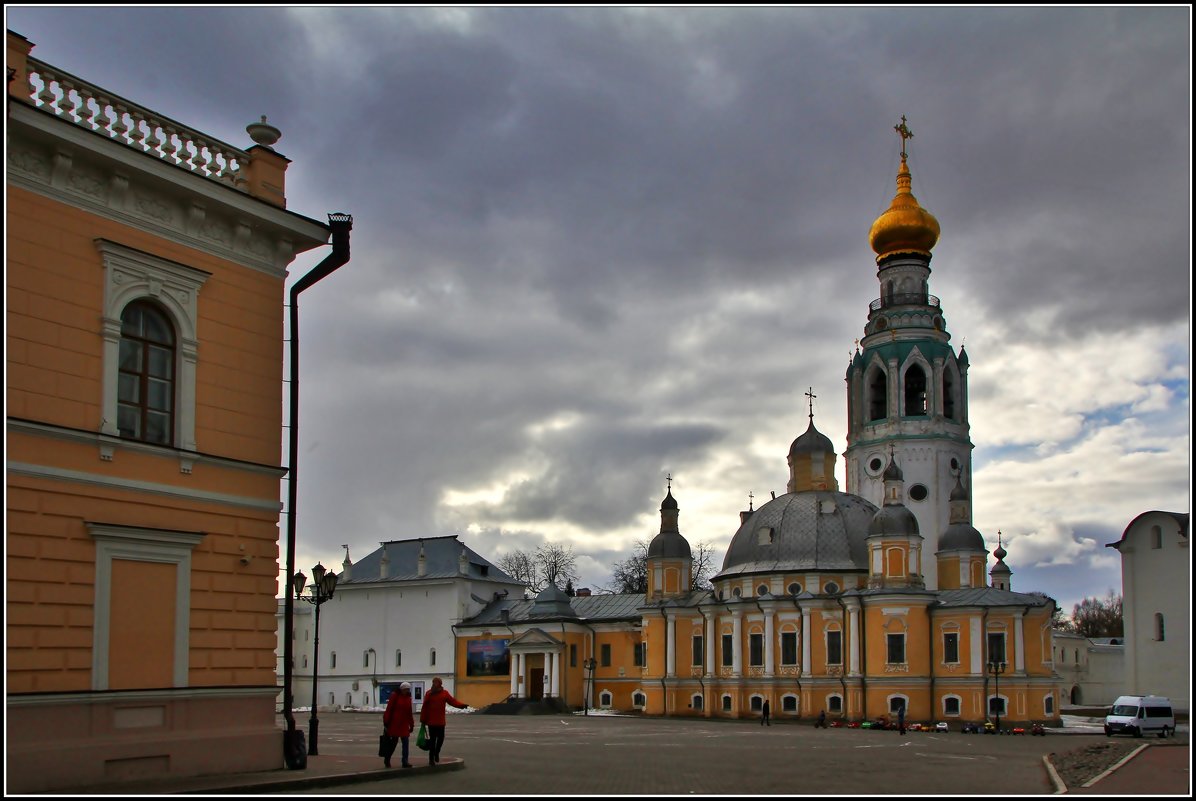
(1139, 714)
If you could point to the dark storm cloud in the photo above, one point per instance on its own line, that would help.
(652, 223)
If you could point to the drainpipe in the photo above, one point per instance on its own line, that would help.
(847, 652)
(864, 659)
(984, 661)
(797, 678)
(664, 690)
(933, 706)
(340, 224)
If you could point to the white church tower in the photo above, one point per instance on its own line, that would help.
(907, 395)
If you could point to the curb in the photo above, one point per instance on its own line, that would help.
(1115, 766)
(331, 780)
(1060, 787)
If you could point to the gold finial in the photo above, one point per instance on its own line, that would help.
(905, 133)
(810, 394)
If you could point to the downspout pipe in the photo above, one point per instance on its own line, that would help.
(847, 644)
(802, 645)
(664, 689)
(340, 224)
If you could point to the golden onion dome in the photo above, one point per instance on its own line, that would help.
(905, 227)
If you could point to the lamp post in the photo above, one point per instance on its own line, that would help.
(590, 664)
(374, 678)
(997, 668)
(321, 589)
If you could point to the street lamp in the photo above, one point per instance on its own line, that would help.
(589, 665)
(997, 668)
(321, 589)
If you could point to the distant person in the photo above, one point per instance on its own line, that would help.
(901, 719)
(764, 714)
(432, 715)
(398, 719)
(821, 722)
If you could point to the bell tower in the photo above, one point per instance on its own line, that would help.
(906, 386)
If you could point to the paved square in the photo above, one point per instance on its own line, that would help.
(632, 756)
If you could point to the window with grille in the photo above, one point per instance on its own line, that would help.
(834, 648)
(788, 647)
(895, 648)
(756, 649)
(951, 648)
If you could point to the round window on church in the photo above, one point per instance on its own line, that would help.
(831, 588)
(736, 592)
(954, 463)
(918, 492)
(875, 465)
(762, 590)
(795, 588)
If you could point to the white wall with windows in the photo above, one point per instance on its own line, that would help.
(1156, 587)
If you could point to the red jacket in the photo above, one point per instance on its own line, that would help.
(397, 718)
(434, 704)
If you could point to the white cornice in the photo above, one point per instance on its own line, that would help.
(83, 169)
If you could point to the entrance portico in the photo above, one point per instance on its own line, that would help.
(536, 665)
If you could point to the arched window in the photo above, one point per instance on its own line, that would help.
(878, 394)
(915, 392)
(432, 656)
(604, 699)
(696, 703)
(896, 704)
(726, 703)
(996, 705)
(332, 662)
(834, 703)
(789, 703)
(638, 699)
(145, 385)
(948, 395)
(1159, 633)
(1156, 537)
(951, 706)
(1048, 705)
(398, 657)
(757, 703)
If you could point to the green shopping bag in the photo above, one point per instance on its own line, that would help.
(421, 739)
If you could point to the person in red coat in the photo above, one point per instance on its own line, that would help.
(432, 715)
(398, 719)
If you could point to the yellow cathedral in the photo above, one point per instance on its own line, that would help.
(858, 604)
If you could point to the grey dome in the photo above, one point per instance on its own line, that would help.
(669, 545)
(893, 472)
(813, 441)
(894, 519)
(814, 530)
(961, 537)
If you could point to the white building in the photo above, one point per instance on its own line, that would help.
(1156, 590)
(391, 620)
(1093, 669)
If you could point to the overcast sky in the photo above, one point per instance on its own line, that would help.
(593, 246)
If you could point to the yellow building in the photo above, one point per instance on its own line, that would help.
(827, 600)
(145, 273)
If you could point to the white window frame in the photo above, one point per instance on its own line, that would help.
(131, 275)
(958, 700)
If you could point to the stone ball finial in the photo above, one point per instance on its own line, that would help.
(263, 133)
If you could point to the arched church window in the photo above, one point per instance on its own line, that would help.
(1159, 633)
(757, 703)
(951, 705)
(834, 703)
(915, 392)
(604, 699)
(696, 703)
(789, 703)
(878, 392)
(1156, 537)
(638, 699)
(726, 703)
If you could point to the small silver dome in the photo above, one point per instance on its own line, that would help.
(894, 519)
(961, 537)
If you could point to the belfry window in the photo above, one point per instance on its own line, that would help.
(948, 395)
(145, 387)
(878, 393)
(915, 392)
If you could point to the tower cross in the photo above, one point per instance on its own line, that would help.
(751, 500)
(669, 477)
(810, 394)
(905, 133)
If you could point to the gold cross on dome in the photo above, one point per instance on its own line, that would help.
(810, 394)
(905, 133)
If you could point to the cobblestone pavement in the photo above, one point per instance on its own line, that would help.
(548, 755)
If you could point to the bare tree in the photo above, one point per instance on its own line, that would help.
(557, 564)
(548, 564)
(1098, 617)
